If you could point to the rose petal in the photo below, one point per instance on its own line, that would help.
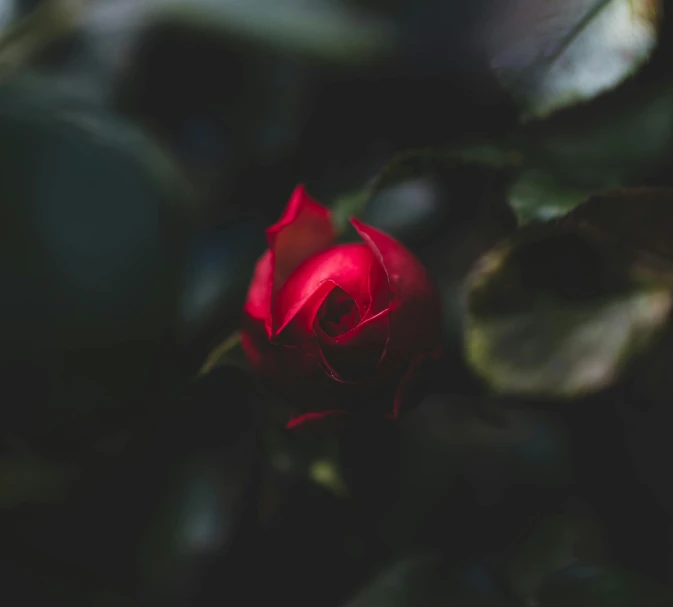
(304, 229)
(298, 326)
(405, 272)
(415, 312)
(283, 365)
(258, 302)
(355, 355)
(406, 385)
(346, 266)
(318, 418)
(380, 294)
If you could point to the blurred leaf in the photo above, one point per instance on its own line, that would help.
(618, 140)
(96, 224)
(197, 523)
(447, 207)
(554, 54)
(553, 312)
(590, 586)
(638, 220)
(239, 151)
(312, 549)
(226, 353)
(549, 545)
(217, 280)
(544, 551)
(147, 522)
(7, 13)
(347, 206)
(49, 22)
(467, 484)
(428, 582)
(319, 29)
(538, 196)
(421, 194)
(619, 136)
(325, 472)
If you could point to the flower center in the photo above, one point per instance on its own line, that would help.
(338, 313)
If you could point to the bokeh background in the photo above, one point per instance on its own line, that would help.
(145, 145)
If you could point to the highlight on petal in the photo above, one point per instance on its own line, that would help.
(314, 417)
(304, 229)
(415, 312)
(302, 313)
(405, 272)
(345, 266)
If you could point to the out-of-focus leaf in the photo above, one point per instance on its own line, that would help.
(618, 137)
(425, 193)
(551, 544)
(209, 499)
(447, 209)
(316, 28)
(543, 551)
(429, 582)
(466, 484)
(225, 353)
(96, 224)
(7, 13)
(582, 585)
(237, 149)
(331, 554)
(638, 220)
(538, 196)
(619, 140)
(217, 280)
(554, 312)
(48, 23)
(148, 522)
(553, 54)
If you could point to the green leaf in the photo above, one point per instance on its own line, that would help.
(319, 29)
(538, 196)
(638, 220)
(7, 13)
(554, 54)
(226, 353)
(549, 547)
(96, 224)
(551, 544)
(447, 207)
(25, 38)
(554, 312)
(471, 473)
(617, 140)
(427, 194)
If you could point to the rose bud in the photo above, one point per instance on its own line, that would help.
(340, 328)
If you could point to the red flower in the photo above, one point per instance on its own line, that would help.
(339, 326)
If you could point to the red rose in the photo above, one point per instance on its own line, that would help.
(343, 324)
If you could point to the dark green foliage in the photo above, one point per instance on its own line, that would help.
(520, 149)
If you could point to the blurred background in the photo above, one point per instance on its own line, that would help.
(145, 145)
